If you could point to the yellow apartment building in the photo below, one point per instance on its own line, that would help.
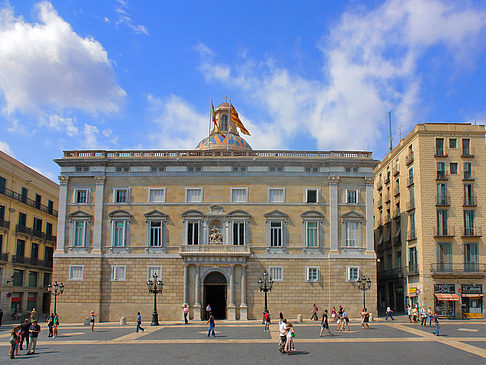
(28, 226)
(209, 222)
(430, 196)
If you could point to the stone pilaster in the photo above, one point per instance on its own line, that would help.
(197, 295)
(231, 305)
(243, 306)
(370, 245)
(333, 214)
(98, 219)
(61, 216)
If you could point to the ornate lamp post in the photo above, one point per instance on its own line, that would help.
(155, 287)
(265, 283)
(55, 289)
(363, 284)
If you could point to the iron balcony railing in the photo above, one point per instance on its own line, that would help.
(447, 267)
(409, 158)
(444, 231)
(441, 175)
(4, 224)
(411, 270)
(31, 261)
(470, 201)
(4, 257)
(443, 201)
(35, 233)
(22, 198)
(472, 232)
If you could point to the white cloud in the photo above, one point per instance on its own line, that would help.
(60, 123)
(47, 65)
(4, 147)
(371, 61)
(124, 17)
(90, 134)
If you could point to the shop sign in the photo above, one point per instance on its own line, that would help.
(472, 288)
(445, 288)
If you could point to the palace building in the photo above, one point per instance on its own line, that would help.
(209, 222)
(429, 217)
(28, 224)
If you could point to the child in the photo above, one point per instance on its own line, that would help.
(13, 341)
(19, 340)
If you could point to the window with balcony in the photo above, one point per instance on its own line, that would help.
(469, 200)
(239, 195)
(466, 147)
(48, 252)
(469, 223)
(23, 195)
(33, 277)
(471, 257)
(439, 147)
(444, 256)
(442, 222)
(441, 171)
(121, 195)
(20, 253)
(37, 227)
(22, 219)
(50, 206)
(411, 234)
(3, 184)
(34, 252)
(467, 171)
(18, 277)
(38, 200)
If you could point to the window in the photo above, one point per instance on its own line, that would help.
(442, 194)
(439, 147)
(156, 195)
(466, 147)
(351, 196)
(312, 273)
(398, 260)
(2, 213)
(224, 123)
(453, 168)
(452, 142)
(276, 273)
(81, 196)
(121, 195)
(47, 280)
(444, 256)
(33, 275)
(23, 195)
(118, 273)
(20, 249)
(352, 273)
(120, 233)
(467, 171)
(37, 226)
(76, 272)
(311, 195)
(239, 233)
(48, 252)
(194, 169)
(239, 195)
(22, 219)
(18, 277)
(151, 270)
(34, 252)
(50, 206)
(471, 257)
(193, 233)
(352, 231)
(312, 234)
(3, 183)
(441, 173)
(155, 239)
(469, 223)
(194, 195)
(79, 232)
(442, 217)
(38, 200)
(468, 195)
(49, 230)
(276, 195)
(276, 234)
(412, 258)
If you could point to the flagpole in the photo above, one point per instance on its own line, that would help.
(209, 130)
(229, 123)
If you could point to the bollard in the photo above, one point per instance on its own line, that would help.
(86, 321)
(123, 321)
(299, 317)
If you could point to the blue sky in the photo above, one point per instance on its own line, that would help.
(125, 74)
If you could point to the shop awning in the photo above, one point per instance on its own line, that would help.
(448, 297)
(472, 295)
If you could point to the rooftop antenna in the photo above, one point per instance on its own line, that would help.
(389, 128)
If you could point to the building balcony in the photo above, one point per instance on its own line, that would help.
(410, 181)
(410, 205)
(466, 153)
(440, 153)
(4, 257)
(411, 270)
(397, 241)
(30, 261)
(387, 179)
(4, 224)
(35, 233)
(442, 176)
(468, 176)
(444, 232)
(393, 274)
(396, 191)
(395, 171)
(214, 250)
(464, 270)
(470, 201)
(409, 159)
(471, 232)
(443, 201)
(32, 203)
(411, 235)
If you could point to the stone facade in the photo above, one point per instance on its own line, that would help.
(426, 191)
(28, 226)
(306, 217)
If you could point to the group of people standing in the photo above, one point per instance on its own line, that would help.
(28, 332)
(287, 335)
(423, 315)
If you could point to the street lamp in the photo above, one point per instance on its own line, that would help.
(364, 284)
(155, 287)
(56, 289)
(265, 283)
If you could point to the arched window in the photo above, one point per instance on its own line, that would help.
(224, 123)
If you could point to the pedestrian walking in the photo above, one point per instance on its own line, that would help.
(437, 325)
(139, 323)
(333, 314)
(266, 319)
(282, 328)
(92, 319)
(430, 316)
(345, 320)
(423, 316)
(314, 313)
(56, 325)
(389, 314)
(280, 318)
(13, 341)
(366, 319)
(50, 324)
(1, 316)
(185, 311)
(325, 324)
(409, 311)
(25, 333)
(34, 331)
(289, 344)
(414, 314)
(211, 325)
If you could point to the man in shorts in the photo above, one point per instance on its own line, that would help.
(325, 324)
(283, 335)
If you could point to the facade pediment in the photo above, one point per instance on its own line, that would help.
(119, 213)
(239, 213)
(312, 214)
(276, 214)
(80, 214)
(155, 214)
(192, 213)
(352, 215)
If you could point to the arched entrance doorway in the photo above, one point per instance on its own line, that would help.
(215, 294)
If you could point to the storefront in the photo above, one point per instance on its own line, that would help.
(472, 300)
(445, 299)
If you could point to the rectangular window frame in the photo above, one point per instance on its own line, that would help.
(150, 234)
(115, 195)
(347, 196)
(118, 272)
(270, 198)
(241, 230)
(274, 240)
(317, 232)
(232, 197)
(306, 195)
(452, 170)
(125, 233)
(196, 237)
(452, 142)
(312, 274)
(201, 197)
(76, 191)
(164, 193)
(276, 273)
(79, 277)
(151, 269)
(351, 268)
(84, 233)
